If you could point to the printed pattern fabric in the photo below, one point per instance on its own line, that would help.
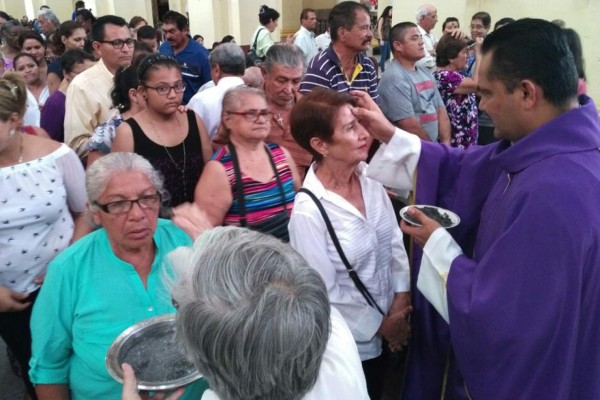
(263, 200)
(461, 108)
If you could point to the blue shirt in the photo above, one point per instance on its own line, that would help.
(325, 70)
(195, 67)
(88, 298)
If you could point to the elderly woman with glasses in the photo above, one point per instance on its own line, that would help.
(255, 320)
(248, 182)
(176, 144)
(106, 282)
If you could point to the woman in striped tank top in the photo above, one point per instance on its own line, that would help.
(248, 182)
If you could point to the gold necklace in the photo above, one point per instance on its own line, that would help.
(182, 170)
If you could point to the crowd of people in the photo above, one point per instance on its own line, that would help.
(278, 176)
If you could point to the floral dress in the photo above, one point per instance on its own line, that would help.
(461, 108)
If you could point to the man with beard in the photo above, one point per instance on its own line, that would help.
(343, 66)
(192, 56)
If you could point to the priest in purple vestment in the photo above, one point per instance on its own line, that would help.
(518, 281)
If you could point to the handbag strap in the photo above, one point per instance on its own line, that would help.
(239, 191)
(256, 39)
(353, 275)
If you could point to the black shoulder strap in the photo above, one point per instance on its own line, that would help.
(353, 275)
(256, 39)
(239, 186)
(239, 191)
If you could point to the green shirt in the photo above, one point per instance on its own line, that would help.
(88, 298)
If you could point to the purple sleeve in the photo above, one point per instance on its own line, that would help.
(53, 116)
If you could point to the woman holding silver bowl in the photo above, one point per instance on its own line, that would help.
(104, 283)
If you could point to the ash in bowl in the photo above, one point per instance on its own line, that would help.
(155, 355)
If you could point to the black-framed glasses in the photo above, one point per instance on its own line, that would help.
(253, 115)
(164, 90)
(119, 43)
(149, 201)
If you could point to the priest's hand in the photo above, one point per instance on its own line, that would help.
(130, 391)
(371, 117)
(421, 233)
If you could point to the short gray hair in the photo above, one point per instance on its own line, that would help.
(50, 16)
(422, 11)
(285, 55)
(232, 101)
(253, 316)
(230, 58)
(99, 174)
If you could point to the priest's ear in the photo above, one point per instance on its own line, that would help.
(531, 94)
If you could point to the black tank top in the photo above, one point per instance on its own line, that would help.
(180, 179)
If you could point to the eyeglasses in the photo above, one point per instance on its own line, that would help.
(253, 115)
(119, 43)
(164, 90)
(151, 201)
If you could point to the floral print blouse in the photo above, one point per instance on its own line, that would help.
(461, 108)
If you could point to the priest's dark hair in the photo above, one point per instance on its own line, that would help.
(543, 58)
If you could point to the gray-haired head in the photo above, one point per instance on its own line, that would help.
(99, 174)
(253, 316)
(230, 58)
(232, 102)
(50, 16)
(422, 11)
(285, 55)
(234, 97)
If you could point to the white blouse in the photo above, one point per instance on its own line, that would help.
(33, 112)
(373, 245)
(36, 200)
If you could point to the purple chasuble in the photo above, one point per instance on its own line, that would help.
(522, 299)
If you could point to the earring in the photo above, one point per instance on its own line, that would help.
(12, 132)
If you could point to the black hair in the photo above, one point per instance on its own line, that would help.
(343, 15)
(503, 21)
(386, 12)
(24, 55)
(65, 29)
(305, 12)
(574, 43)
(79, 4)
(227, 39)
(447, 49)
(484, 17)
(267, 14)
(173, 17)
(153, 62)
(448, 20)
(70, 58)
(398, 31)
(86, 15)
(5, 16)
(146, 32)
(23, 36)
(543, 58)
(98, 27)
(125, 79)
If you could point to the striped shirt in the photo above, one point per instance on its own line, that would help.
(325, 70)
(263, 200)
